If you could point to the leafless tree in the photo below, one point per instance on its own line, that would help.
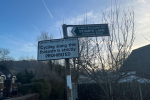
(101, 57)
(21, 58)
(4, 55)
(44, 36)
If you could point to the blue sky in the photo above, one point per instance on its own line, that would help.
(21, 21)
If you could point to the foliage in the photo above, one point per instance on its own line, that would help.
(4, 57)
(25, 77)
(38, 80)
(54, 66)
(53, 71)
(57, 90)
(57, 67)
(24, 89)
(42, 87)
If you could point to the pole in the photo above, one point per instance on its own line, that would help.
(68, 73)
(64, 84)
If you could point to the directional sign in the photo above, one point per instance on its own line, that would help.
(90, 30)
(58, 49)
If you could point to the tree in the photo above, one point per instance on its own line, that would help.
(21, 58)
(25, 77)
(101, 57)
(52, 70)
(55, 66)
(4, 55)
(44, 36)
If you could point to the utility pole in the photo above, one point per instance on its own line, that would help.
(68, 73)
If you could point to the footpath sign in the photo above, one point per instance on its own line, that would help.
(58, 49)
(92, 30)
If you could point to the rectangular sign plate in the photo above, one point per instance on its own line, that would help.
(58, 49)
(91, 30)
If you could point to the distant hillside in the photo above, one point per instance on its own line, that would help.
(19, 66)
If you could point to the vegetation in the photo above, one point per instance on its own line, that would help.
(57, 90)
(48, 82)
(53, 73)
(42, 87)
(101, 57)
(24, 89)
(25, 77)
(4, 57)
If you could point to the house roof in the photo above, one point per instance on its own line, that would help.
(139, 61)
(133, 78)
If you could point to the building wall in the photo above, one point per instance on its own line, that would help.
(1, 86)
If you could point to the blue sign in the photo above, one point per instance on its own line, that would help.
(91, 30)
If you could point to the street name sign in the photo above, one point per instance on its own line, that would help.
(58, 49)
(91, 30)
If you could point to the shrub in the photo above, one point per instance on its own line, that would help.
(24, 89)
(38, 80)
(57, 90)
(42, 87)
(25, 77)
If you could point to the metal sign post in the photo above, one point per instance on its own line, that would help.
(68, 73)
(82, 31)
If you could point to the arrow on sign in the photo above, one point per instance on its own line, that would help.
(90, 30)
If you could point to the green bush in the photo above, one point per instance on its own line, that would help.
(24, 89)
(38, 80)
(57, 90)
(25, 77)
(42, 87)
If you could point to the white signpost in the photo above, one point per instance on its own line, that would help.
(58, 49)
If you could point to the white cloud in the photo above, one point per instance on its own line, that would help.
(90, 17)
(81, 19)
(18, 44)
(142, 1)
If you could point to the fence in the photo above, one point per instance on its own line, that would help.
(121, 91)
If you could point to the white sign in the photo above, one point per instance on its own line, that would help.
(58, 49)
